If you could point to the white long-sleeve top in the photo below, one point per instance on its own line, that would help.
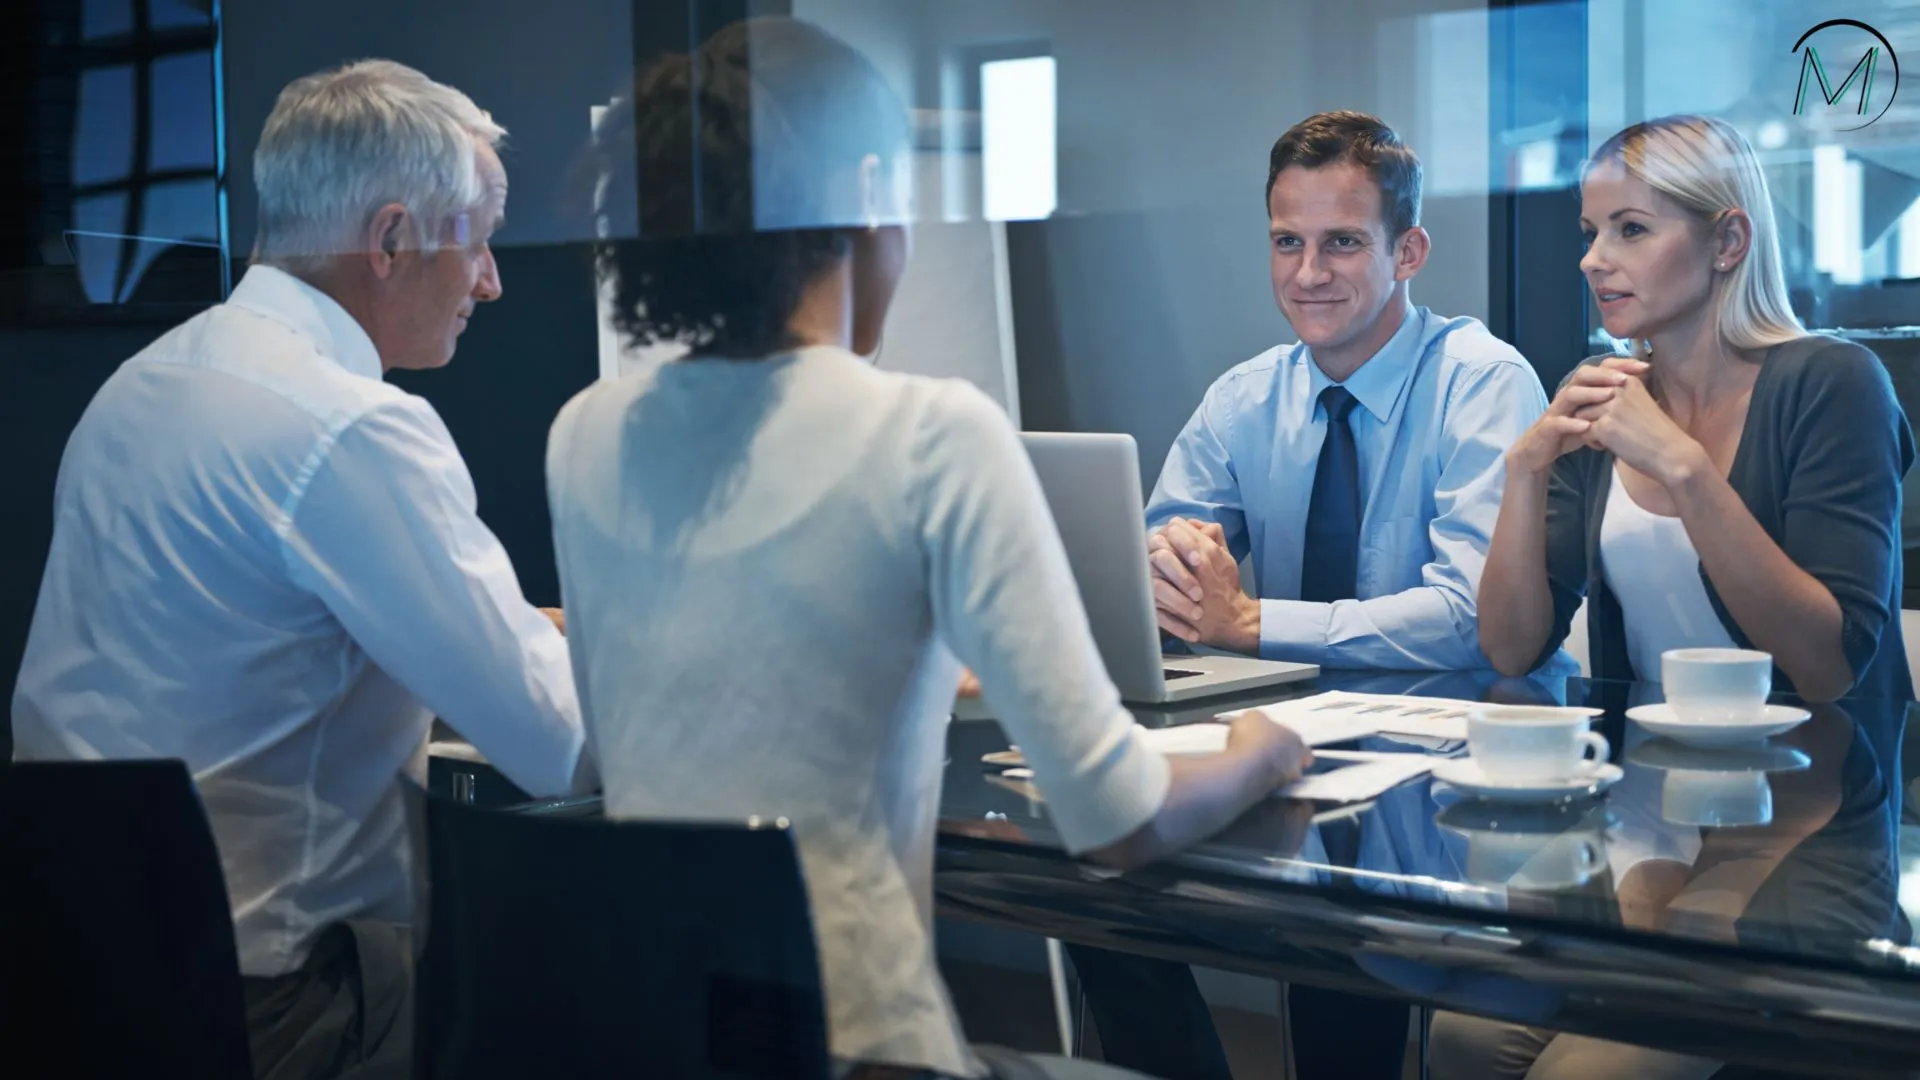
(769, 568)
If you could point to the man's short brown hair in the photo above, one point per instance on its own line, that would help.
(1343, 135)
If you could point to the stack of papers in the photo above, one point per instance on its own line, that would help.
(1370, 774)
(1438, 724)
(1357, 783)
(1338, 715)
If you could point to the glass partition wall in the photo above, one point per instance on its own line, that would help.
(1091, 236)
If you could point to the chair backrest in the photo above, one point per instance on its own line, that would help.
(117, 955)
(567, 947)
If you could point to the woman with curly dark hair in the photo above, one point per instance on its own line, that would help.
(775, 557)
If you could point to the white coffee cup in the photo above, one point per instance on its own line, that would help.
(1715, 686)
(1522, 744)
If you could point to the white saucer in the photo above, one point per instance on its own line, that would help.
(1753, 757)
(1764, 723)
(1464, 773)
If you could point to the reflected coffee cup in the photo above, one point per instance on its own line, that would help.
(1533, 860)
(1690, 797)
(1715, 686)
(1523, 744)
(1535, 846)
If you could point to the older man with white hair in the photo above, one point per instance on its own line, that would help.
(267, 562)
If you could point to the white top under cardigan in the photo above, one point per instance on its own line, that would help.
(1654, 572)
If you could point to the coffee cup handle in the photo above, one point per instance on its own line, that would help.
(1597, 743)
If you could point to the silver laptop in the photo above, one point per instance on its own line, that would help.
(1092, 483)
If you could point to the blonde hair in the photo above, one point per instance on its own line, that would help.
(1709, 168)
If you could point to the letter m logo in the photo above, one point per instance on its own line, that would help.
(1863, 71)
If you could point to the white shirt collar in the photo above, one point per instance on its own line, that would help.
(278, 295)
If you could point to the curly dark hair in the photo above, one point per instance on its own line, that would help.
(1360, 139)
(710, 241)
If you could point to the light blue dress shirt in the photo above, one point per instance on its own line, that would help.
(1440, 404)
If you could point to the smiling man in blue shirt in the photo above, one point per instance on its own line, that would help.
(1359, 467)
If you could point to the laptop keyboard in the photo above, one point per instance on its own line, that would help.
(1173, 673)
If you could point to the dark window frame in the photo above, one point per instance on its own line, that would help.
(45, 295)
(1540, 311)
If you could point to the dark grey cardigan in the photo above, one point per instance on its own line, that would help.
(1820, 461)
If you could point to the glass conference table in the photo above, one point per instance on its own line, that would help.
(1774, 937)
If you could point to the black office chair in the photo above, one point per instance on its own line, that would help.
(560, 947)
(116, 942)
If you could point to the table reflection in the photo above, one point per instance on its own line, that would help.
(1785, 845)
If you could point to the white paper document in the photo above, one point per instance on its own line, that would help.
(1338, 715)
(1321, 720)
(1369, 776)
(1421, 724)
(1212, 738)
(1360, 781)
(1371, 773)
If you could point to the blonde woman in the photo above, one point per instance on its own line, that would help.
(1735, 481)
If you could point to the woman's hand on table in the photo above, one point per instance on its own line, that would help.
(1282, 747)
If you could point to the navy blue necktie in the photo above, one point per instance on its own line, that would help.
(1330, 563)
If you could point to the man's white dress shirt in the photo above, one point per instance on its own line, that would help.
(267, 562)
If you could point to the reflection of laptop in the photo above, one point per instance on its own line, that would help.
(1092, 483)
